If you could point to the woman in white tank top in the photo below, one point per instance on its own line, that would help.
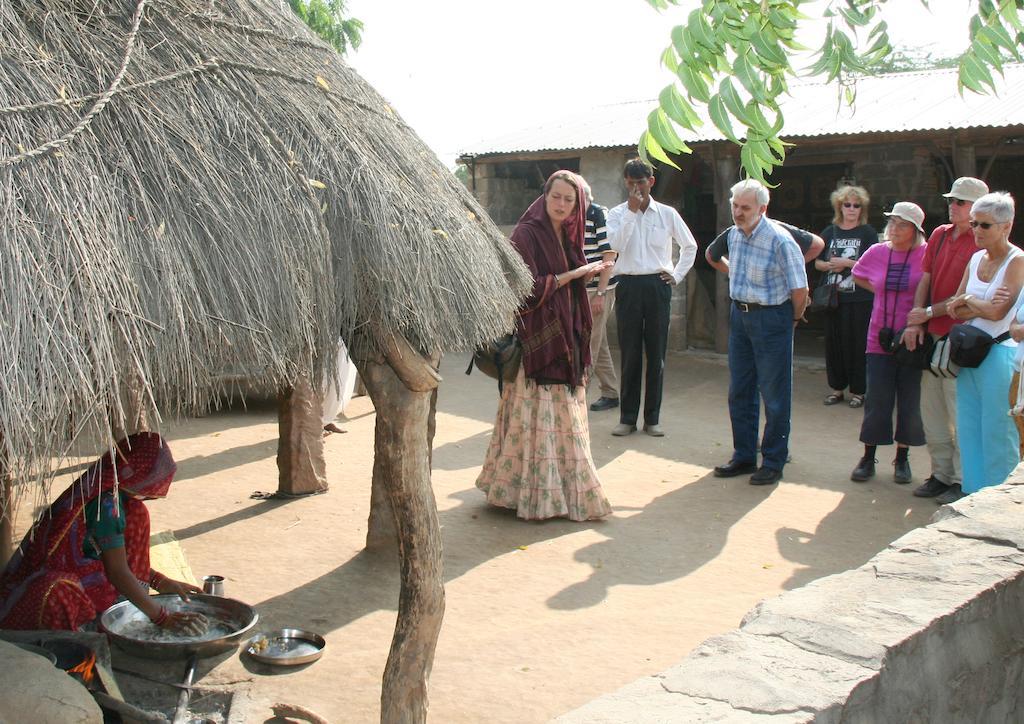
(989, 444)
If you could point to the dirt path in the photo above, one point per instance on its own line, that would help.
(541, 617)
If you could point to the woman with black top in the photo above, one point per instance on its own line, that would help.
(846, 327)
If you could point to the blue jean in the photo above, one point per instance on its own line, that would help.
(989, 445)
(761, 362)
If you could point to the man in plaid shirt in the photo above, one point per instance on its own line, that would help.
(768, 286)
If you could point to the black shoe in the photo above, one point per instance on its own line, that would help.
(766, 476)
(901, 472)
(951, 496)
(930, 488)
(604, 403)
(865, 470)
(733, 468)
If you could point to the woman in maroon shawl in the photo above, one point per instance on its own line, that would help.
(539, 461)
(92, 544)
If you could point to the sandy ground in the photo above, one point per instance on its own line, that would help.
(541, 617)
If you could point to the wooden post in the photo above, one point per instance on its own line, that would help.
(301, 467)
(381, 532)
(725, 177)
(401, 469)
(6, 517)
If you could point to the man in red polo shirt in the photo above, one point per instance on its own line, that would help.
(950, 248)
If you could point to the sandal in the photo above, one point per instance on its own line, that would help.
(834, 398)
(856, 401)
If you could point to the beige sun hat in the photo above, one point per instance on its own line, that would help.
(967, 188)
(908, 211)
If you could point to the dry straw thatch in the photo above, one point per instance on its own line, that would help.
(188, 188)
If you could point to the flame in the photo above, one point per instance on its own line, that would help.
(85, 668)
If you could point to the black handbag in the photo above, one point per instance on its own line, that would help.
(969, 346)
(920, 358)
(499, 359)
(825, 297)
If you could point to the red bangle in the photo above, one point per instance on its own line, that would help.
(156, 579)
(161, 617)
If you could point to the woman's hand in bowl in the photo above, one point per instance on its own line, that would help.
(190, 623)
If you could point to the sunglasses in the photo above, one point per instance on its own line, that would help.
(850, 205)
(983, 224)
(957, 202)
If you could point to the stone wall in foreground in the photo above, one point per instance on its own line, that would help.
(929, 630)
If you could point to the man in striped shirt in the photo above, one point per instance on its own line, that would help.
(601, 292)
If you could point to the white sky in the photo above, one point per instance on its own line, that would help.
(453, 68)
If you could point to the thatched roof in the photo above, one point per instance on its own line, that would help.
(189, 187)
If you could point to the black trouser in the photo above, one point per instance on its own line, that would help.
(846, 338)
(641, 317)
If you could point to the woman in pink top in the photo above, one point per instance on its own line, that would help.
(891, 271)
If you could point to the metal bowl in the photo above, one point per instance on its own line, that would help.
(130, 629)
(286, 647)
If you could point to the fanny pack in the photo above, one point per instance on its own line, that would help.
(969, 345)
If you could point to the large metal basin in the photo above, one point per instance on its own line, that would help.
(130, 629)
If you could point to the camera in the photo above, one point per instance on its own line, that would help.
(888, 339)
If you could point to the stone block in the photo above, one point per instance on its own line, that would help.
(764, 674)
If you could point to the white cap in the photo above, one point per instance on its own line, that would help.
(967, 188)
(908, 211)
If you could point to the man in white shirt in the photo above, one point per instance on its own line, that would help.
(642, 232)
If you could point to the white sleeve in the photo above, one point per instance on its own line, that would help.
(687, 246)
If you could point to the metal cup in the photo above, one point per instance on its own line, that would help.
(213, 585)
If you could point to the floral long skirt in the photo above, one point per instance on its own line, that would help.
(538, 461)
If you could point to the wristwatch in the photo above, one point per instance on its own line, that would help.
(929, 312)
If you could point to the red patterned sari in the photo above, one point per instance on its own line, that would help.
(50, 583)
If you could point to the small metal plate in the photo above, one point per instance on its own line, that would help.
(286, 647)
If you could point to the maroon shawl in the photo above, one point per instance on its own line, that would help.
(554, 323)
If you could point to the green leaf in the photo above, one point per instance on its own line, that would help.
(966, 79)
(720, 117)
(694, 83)
(733, 101)
(660, 127)
(678, 108)
(978, 71)
(698, 27)
(1005, 41)
(986, 53)
(770, 53)
(749, 77)
(670, 60)
(649, 147)
(1011, 14)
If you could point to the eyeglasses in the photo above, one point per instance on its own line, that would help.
(984, 224)
(851, 205)
(957, 202)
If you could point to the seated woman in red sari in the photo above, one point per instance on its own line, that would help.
(92, 545)
(539, 461)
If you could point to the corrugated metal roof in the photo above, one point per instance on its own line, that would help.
(893, 103)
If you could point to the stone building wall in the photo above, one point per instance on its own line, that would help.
(929, 630)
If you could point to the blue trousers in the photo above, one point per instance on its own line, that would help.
(989, 444)
(761, 362)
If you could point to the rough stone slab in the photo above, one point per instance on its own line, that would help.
(764, 674)
(34, 690)
(646, 701)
